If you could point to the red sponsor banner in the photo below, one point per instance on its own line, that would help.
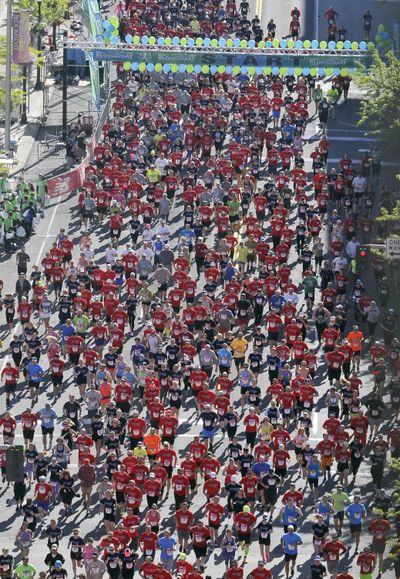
(67, 182)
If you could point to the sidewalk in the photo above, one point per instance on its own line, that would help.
(32, 156)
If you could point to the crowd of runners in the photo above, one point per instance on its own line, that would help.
(216, 282)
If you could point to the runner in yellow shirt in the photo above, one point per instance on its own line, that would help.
(239, 347)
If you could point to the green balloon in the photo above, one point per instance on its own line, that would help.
(236, 70)
(152, 41)
(370, 45)
(174, 68)
(275, 43)
(142, 66)
(307, 44)
(199, 42)
(381, 28)
(340, 45)
(168, 41)
(298, 71)
(243, 44)
(267, 70)
(183, 41)
(229, 43)
(158, 67)
(323, 44)
(252, 70)
(136, 39)
(313, 71)
(283, 70)
(261, 44)
(329, 71)
(221, 68)
(354, 45)
(127, 65)
(205, 69)
(214, 43)
(290, 43)
(190, 68)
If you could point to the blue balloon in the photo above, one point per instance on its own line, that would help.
(213, 69)
(229, 69)
(144, 39)
(268, 44)
(190, 43)
(197, 68)
(259, 70)
(314, 44)
(99, 38)
(306, 71)
(251, 44)
(175, 41)
(275, 70)
(134, 65)
(347, 44)
(244, 69)
(298, 44)
(150, 67)
(336, 71)
(107, 34)
(385, 35)
(114, 40)
(290, 71)
(182, 68)
(128, 38)
(160, 41)
(236, 42)
(331, 44)
(283, 43)
(321, 72)
(362, 45)
(106, 24)
(222, 42)
(207, 42)
(166, 68)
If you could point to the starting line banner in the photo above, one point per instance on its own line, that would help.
(210, 58)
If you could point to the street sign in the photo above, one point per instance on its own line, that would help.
(393, 247)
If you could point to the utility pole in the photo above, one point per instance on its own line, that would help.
(38, 84)
(23, 119)
(65, 84)
(7, 132)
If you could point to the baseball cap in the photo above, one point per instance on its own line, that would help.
(317, 558)
(58, 564)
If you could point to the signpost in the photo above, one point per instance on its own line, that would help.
(393, 247)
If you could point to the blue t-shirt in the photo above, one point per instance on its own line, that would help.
(225, 357)
(167, 547)
(35, 372)
(355, 512)
(314, 469)
(47, 416)
(290, 515)
(259, 468)
(291, 541)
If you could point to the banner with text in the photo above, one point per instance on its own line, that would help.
(21, 36)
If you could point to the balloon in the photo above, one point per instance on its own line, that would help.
(136, 40)
(197, 68)
(114, 21)
(323, 44)
(290, 71)
(275, 43)
(126, 66)
(207, 42)
(107, 40)
(252, 70)
(275, 70)
(362, 45)
(221, 69)
(329, 71)
(336, 71)
(142, 67)
(354, 45)
(313, 71)
(167, 68)
(150, 67)
(168, 41)
(99, 38)
(160, 41)
(158, 67)
(236, 43)
(205, 69)
(214, 43)
(261, 44)
(236, 70)
(229, 43)
(244, 69)
(306, 71)
(385, 35)
(229, 69)
(267, 70)
(283, 43)
(106, 24)
(183, 41)
(378, 38)
(134, 65)
(331, 44)
(190, 42)
(176, 41)
(344, 71)
(347, 44)
(243, 44)
(339, 45)
(290, 43)
(152, 41)
(190, 68)
(321, 72)
(114, 40)
(182, 68)
(259, 69)
(268, 44)
(199, 42)
(213, 69)
(222, 42)
(251, 44)
(144, 39)
(115, 33)
(307, 44)
(174, 68)
(314, 44)
(298, 71)
(298, 44)
(128, 38)
(381, 28)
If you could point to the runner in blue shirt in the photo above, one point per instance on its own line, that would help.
(356, 512)
(290, 542)
(225, 358)
(35, 376)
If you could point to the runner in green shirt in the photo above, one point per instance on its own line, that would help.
(25, 570)
(339, 500)
(81, 324)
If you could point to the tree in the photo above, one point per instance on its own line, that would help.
(17, 95)
(381, 107)
(52, 13)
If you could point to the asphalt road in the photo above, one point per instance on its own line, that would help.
(345, 136)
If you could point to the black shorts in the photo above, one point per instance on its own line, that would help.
(244, 537)
(47, 430)
(342, 466)
(239, 362)
(339, 515)
(333, 374)
(169, 470)
(200, 551)
(28, 434)
(10, 388)
(76, 556)
(290, 557)
(281, 471)
(163, 287)
(355, 528)
(313, 482)
(266, 541)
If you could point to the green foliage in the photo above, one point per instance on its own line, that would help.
(17, 95)
(381, 107)
(52, 11)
